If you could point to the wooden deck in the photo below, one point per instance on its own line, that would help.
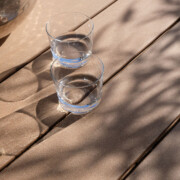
(133, 134)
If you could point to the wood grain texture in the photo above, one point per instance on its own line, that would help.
(116, 40)
(163, 163)
(31, 92)
(29, 39)
(137, 105)
(30, 86)
(5, 159)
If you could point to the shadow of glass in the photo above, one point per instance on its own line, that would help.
(28, 80)
(47, 110)
(41, 67)
(19, 86)
(70, 119)
(15, 134)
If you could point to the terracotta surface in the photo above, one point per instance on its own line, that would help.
(137, 105)
(29, 38)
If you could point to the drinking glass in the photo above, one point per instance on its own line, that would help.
(70, 37)
(79, 90)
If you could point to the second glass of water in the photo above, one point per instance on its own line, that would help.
(70, 36)
(79, 90)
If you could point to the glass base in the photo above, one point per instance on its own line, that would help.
(76, 109)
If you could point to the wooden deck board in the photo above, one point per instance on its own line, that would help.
(4, 159)
(163, 162)
(117, 40)
(29, 39)
(130, 37)
(137, 105)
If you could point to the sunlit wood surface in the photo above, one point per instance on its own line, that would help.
(138, 41)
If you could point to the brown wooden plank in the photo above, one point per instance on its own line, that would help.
(34, 83)
(29, 39)
(4, 159)
(137, 105)
(21, 129)
(150, 148)
(27, 86)
(163, 162)
(34, 79)
(131, 36)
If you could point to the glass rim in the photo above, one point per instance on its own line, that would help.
(94, 82)
(88, 19)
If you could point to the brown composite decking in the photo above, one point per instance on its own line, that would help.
(139, 101)
(29, 39)
(20, 89)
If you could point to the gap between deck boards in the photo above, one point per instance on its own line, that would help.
(14, 70)
(157, 140)
(150, 148)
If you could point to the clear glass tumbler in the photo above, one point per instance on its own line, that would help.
(70, 37)
(79, 90)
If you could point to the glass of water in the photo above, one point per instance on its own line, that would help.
(79, 90)
(70, 37)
